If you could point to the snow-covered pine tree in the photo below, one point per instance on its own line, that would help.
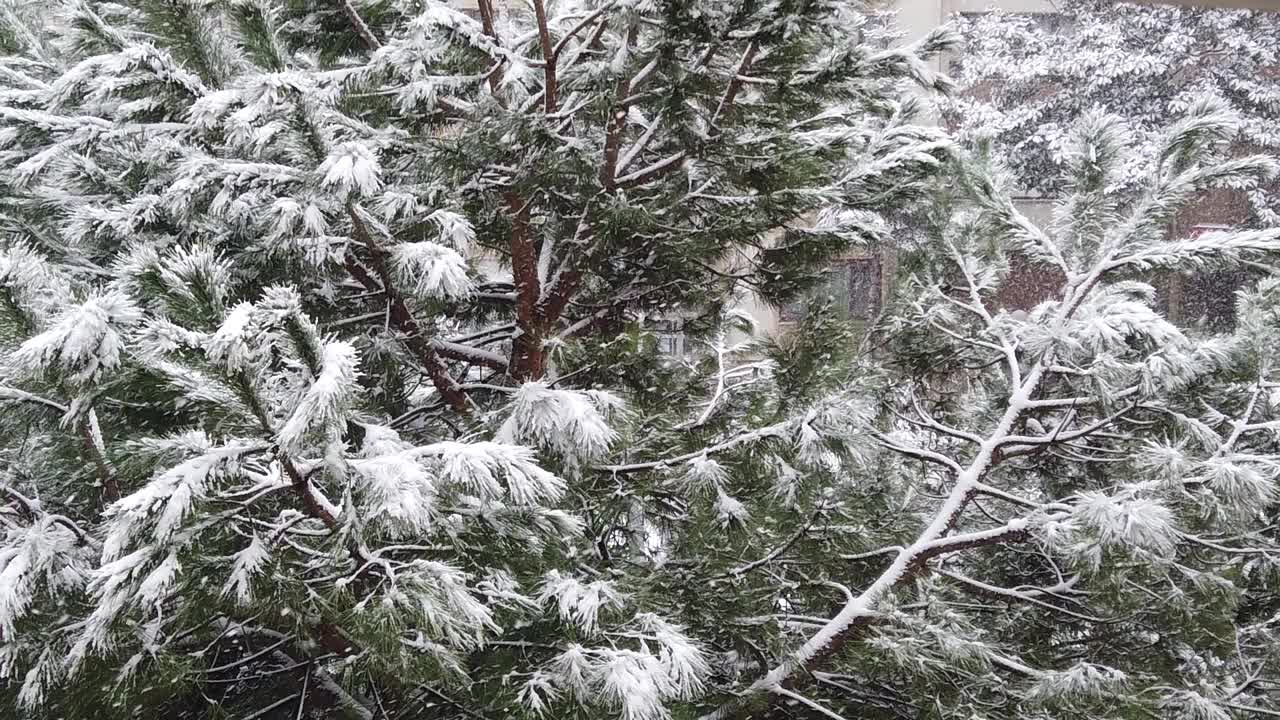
(1026, 79)
(325, 386)
(1074, 515)
(280, 442)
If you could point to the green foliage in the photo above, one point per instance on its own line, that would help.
(342, 378)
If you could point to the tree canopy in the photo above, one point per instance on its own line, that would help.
(331, 390)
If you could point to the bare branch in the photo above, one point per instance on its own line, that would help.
(1018, 595)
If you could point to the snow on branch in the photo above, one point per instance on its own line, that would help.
(351, 167)
(86, 341)
(323, 406)
(628, 675)
(579, 602)
(1208, 249)
(430, 270)
(570, 423)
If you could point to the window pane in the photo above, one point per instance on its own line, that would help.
(864, 288)
(669, 336)
(851, 287)
(1209, 299)
(836, 291)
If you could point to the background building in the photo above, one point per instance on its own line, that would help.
(861, 283)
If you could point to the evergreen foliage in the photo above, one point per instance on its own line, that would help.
(330, 391)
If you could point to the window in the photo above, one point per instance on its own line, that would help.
(1205, 299)
(470, 8)
(670, 337)
(864, 287)
(852, 287)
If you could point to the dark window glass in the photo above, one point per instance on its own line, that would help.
(864, 288)
(1209, 299)
(670, 336)
(852, 287)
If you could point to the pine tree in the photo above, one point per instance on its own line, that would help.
(330, 392)
(326, 378)
(1027, 79)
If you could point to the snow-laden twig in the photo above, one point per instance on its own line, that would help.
(771, 431)
(723, 376)
(811, 704)
(9, 393)
(978, 307)
(773, 554)
(1017, 595)
(359, 25)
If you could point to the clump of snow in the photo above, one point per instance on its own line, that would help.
(1142, 523)
(325, 402)
(729, 510)
(455, 230)
(636, 681)
(398, 491)
(41, 555)
(1083, 680)
(569, 423)
(704, 472)
(1191, 705)
(34, 285)
(579, 602)
(230, 344)
(431, 270)
(85, 341)
(351, 166)
(247, 563)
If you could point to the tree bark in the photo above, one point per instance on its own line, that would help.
(527, 362)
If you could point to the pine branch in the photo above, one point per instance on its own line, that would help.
(412, 335)
(358, 24)
(775, 553)
(811, 704)
(772, 431)
(322, 510)
(579, 27)
(654, 171)
(91, 435)
(8, 393)
(1001, 593)
(30, 509)
(466, 353)
(735, 85)
(287, 648)
(933, 540)
(673, 162)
